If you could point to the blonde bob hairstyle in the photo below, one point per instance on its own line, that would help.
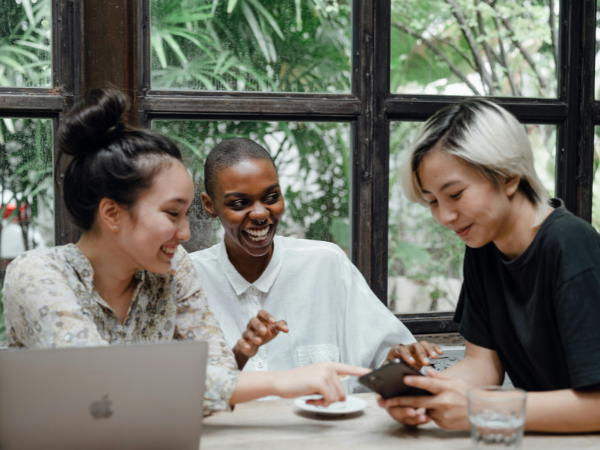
(484, 135)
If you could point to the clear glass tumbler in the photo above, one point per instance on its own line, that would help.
(497, 417)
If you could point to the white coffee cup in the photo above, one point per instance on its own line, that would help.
(345, 380)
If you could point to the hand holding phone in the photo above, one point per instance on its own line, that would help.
(388, 380)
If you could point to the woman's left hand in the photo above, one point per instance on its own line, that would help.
(448, 405)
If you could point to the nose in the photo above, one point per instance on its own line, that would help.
(259, 213)
(183, 231)
(447, 214)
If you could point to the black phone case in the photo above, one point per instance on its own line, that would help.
(388, 380)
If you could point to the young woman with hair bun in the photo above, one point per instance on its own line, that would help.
(128, 280)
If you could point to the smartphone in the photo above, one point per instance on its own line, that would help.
(388, 380)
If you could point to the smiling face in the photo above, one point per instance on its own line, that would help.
(158, 222)
(462, 199)
(249, 204)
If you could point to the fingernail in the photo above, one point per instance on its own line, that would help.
(272, 319)
(408, 379)
(426, 360)
(411, 359)
(263, 329)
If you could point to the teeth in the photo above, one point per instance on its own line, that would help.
(258, 235)
(170, 250)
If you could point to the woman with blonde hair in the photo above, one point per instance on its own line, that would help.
(530, 300)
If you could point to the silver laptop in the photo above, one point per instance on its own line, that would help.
(117, 397)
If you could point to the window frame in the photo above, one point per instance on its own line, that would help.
(369, 108)
(53, 102)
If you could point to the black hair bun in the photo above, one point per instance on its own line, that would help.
(93, 123)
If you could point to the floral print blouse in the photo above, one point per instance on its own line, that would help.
(50, 301)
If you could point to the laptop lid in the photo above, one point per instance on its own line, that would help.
(114, 397)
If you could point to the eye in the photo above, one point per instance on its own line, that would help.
(172, 213)
(433, 202)
(457, 195)
(272, 198)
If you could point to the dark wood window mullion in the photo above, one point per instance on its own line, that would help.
(380, 149)
(528, 110)
(570, 65)
(66, 63)
(585, 147)
(363, 38)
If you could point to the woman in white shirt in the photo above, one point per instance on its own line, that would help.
(128, 280)
(326, 309)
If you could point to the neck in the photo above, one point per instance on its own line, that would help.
(113, 271)
(517, 232)
(248, 266)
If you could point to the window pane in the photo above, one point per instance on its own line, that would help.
(500, 48)
(251, 45)
(25, 50)
(26, 190)
(424, 258)
(313, 160)
(596, 182)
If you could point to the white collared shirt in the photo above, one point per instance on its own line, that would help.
(332, 313)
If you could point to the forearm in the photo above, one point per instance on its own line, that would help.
(253, 385)
(564, 411)
(475, 371)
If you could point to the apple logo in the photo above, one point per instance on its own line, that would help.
(101, 409)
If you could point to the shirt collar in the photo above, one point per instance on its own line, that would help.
(84, 270)
(266, 280)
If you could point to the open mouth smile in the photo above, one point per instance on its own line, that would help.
(258, 234)
(170, 251)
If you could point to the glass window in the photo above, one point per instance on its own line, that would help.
(313, 160)
(596, 181)
(474, 47)
(25, 43)
(424, 258)
(26, 190)
(251, 45)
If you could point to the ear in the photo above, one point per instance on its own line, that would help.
(511, 185)
(110, 214)
(208, 205)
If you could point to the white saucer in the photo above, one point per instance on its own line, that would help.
(353, 404)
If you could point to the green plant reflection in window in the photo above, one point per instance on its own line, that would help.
(475, 47)
(251, 45)
(25, 36)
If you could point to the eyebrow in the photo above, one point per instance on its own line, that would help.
(445, 186)
(178, 200)
(241, 194)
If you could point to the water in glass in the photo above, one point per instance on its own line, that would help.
(491, 429)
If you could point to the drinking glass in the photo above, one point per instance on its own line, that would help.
(497, 417)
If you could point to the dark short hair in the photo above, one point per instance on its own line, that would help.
(110, 158)
(228, 153)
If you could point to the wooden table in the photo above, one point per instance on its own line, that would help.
(279, 425)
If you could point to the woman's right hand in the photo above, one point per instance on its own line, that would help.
(416, 354)
(322, 378)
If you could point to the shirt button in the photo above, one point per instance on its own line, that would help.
(253, 290)
(259, 365)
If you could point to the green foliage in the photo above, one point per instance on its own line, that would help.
(251, 45)
(25, 44)
(499, 47)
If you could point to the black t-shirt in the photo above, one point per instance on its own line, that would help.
(541, 311)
